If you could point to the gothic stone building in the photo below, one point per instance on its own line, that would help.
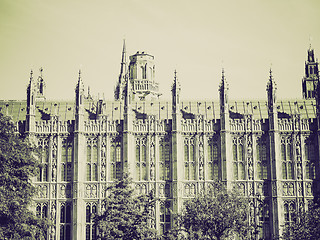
(268, 149)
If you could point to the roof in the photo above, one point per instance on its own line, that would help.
(161, 109)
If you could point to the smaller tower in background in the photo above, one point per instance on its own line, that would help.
(311, 78)
(142, 77)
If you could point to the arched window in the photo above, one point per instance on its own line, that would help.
(238, 159)
(91, 229)
(66, 161)
(42, 210)
(65, 221)
(92, 163)
(213, 161)
(43, 160)
(115, 161)
(190, 159)
(141, 160)
(164, 154)
(165, 217)
(287, 158)
(310, 165)
(289, 209)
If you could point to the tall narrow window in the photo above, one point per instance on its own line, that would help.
(141, 160)
(43, 161)
(66, 160)
(92, 163)
(42, 210)
(289, 209)
(213, 161)
(164, 155)
(190, 159)
(115, 161)
(91, 229)
(165, 217)
(118, 162)
(238, 159)
(65, 221)
(287, 158)
(310, 159)
(262, 171)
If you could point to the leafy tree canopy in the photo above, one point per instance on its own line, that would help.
(306, 225)
(217, 214)
(18, 163)
(125, 216)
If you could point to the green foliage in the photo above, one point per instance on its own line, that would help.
(17, 165)
(126, 216)
(306, 225)
(217, 214)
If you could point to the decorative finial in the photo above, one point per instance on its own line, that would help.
(31, 73)
(175, 74)
(79, 74)
(310, 40)
(41, 70)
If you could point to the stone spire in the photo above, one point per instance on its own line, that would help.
(271, 92)
(175, 89)
(118, 92)
(224, 94)
(80, 96)
(31, 104)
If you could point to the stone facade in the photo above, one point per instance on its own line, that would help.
(268, 149)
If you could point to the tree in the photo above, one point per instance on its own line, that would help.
(18, 164)
(306, 225)
(125, 216)
(217, 214)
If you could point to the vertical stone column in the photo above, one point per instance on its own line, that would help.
(177, 147)
(225, 137)
(277, 220)
(79, 165)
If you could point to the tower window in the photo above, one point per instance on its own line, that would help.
(141, 159)
(91, 229)
(92, 163)
(65, 221)
(213, 162)
(43, 160)
(66, 161)
(189, 159)
(262, 160)
(165, 216)
(238, 159)
(164, 160)
(115, 161)
(286, 157)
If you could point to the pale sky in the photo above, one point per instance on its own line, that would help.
(197, 38)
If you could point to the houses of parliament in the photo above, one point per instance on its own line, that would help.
(268, 148)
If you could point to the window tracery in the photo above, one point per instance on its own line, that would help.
(189, 159)
(238, 159)
(91, 229)
(43, 148)
(287, 158)
(141, 159)
(92, 160)
(165, 155)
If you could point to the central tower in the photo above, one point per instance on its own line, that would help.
(142, 77)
